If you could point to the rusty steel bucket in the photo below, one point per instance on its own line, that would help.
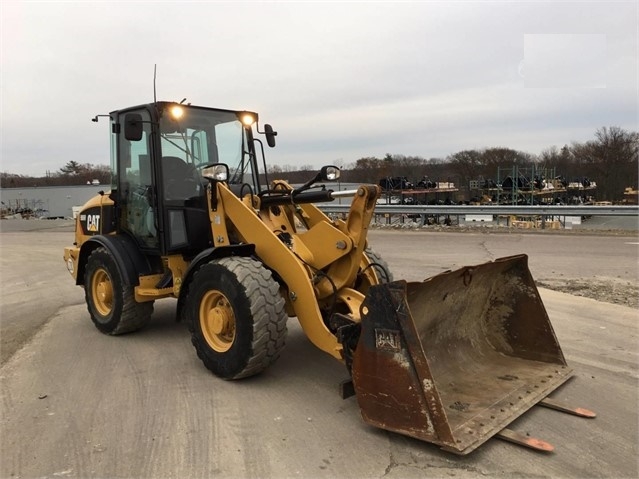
(453, 360)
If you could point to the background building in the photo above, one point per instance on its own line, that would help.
(47, 201)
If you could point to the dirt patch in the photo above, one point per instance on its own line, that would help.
(608, 290)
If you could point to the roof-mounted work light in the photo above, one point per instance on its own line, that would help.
(176, 112)
(247, 118)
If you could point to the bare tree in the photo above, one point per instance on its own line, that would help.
(369, 170)
(467, 164)
(495, 159)
(610, 160)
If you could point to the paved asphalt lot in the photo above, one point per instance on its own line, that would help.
(76, 403)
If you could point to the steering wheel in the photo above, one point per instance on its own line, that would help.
(182, 189)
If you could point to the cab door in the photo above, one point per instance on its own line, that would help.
(136, 192)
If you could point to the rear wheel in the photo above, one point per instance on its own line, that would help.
(236, 317)
(110, 302)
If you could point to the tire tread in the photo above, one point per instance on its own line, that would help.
(267, 311)
(134, 315)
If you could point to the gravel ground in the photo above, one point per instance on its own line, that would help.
(502, 229)
(609, 290)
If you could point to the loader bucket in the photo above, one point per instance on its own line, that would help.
(453, 360)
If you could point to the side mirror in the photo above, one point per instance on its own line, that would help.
(219, 172)
(133, 127)
(270, 135)
(330, 173)
(327, 173)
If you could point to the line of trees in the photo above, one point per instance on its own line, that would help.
(610, 159)
(72, 173)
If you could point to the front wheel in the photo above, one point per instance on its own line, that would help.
(373, 270)
(110, 302)
(379, 266)
(236, 317)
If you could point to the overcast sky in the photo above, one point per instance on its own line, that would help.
(337, 80)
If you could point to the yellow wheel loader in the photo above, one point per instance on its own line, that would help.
(192, 215)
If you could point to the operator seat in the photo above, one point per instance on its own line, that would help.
(179, 179)
(186, 206)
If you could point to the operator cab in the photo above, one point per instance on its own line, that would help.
(158, 152)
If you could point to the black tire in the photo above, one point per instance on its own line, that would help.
(382, 270)
(236, 317)
(111, 304)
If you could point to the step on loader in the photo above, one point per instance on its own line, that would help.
(191, 214)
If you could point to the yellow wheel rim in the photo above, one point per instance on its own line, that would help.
(217, 321)
(102, 292)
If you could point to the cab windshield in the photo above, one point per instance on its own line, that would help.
(201, 137)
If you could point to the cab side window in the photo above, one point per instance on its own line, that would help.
(136, 181)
